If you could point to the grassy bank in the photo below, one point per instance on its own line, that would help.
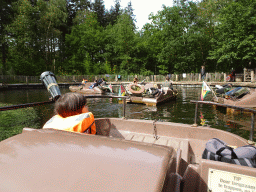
(13, 121)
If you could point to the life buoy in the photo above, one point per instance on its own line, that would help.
(141, 90)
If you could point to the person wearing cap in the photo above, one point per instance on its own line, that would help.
(71, 114)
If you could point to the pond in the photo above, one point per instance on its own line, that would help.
(179, 111)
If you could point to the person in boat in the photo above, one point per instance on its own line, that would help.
(71, 114)
(135, 80)
(168, 82)
(167, 78)
(95, 84)
(101, 81)
(84, 82)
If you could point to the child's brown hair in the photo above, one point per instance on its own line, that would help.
(70, 104)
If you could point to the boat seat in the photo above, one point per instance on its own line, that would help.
(176, 143)
(55, 160)
(181, 146)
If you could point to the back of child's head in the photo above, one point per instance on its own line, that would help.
(70, 104)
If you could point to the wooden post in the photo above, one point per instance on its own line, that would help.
(252, 127)
(244, 74)
(207, 77)
(177, 78)
(252, 76)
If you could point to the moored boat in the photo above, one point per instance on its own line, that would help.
(125, 155)
(150, 94)
(86, 90)
(238, 96)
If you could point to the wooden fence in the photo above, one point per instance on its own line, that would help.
(210, 77)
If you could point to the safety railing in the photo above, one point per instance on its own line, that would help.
(52, 101)
(252, 111)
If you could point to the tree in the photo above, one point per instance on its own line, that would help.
(6, 16)
(99, 8)
(120, 43)
(72, 7)
(234, 42)
(113, 13)
(180, 37)
(36, 37)
(85, 45)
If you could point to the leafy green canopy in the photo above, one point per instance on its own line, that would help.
(234, 40)
(35, 34)
(82, 37)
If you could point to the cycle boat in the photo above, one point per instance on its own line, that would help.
(124, 155)
(238, 96)
(150, 94)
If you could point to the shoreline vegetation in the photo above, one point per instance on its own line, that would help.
(13, 121)
(71, 37)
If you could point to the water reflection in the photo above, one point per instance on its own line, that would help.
(202, 119)
(180, 111)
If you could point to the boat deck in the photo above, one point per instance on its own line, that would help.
(176, 143)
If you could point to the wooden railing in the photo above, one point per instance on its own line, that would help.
(210, 77)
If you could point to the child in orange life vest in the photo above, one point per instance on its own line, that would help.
(72, 115)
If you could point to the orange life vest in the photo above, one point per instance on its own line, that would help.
(82, 123)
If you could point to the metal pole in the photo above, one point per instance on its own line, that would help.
(25, 105)
(252, 127)
(124, 106)
(195, 124)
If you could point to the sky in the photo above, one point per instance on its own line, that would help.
(141, 8)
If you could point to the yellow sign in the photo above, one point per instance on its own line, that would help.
(223, 181)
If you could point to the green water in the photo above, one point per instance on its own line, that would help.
(180, 111)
